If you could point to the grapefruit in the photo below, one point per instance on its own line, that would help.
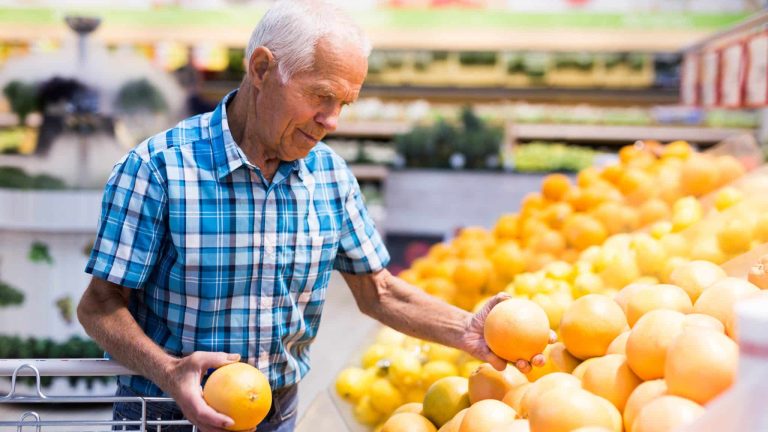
(240, 391)
(408, 422)
(590, 324)
(666, 413)
(516, 329)
(488, 383)
(648, 342)
(701, 364)
(644, 393)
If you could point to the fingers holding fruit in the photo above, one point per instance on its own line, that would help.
(518, 330)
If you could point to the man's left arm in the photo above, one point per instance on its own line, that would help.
(409, 310)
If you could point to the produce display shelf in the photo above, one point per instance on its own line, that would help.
(560, 132)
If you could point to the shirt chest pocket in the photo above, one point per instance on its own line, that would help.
(308, 264)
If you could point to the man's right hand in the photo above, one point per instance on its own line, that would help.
(182, 383)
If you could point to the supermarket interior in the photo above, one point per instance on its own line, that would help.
(596, 163)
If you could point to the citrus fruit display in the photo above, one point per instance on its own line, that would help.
(629, 264)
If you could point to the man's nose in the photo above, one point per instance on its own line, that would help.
(329, 119)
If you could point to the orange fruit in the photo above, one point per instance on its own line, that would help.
(703, 321)
(699, 175)
(666, 413)
(701, 364)
(532, 201)
(241, 392)
(515, 396)
(677, 149)
(588, 176)
(556, 214)
(582, 231)
(555, 186)
(519, 425)
(547, 242)
(488, 383)
(453, 424)
(729, 168)
(643, 393)
(579, 371)
(544, 385)
(558, 359)
(485, 415)
(590, 324)
(649, 339)
(445, 398)
(516, 329)
(616, 217)
(625, 294)
(612, 173)
(696, 276)
(654, 210)
(566, 409)
(619, 344)
(408, 422)
(506, 227)
(508, 260)
(611, 378)
(410, 407)
(736, 236)
(719, 299)
(659, 296)
(439, 287)
(471, 275)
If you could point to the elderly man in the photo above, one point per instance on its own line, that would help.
(217, 237)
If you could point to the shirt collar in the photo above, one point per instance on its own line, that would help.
(227, 155)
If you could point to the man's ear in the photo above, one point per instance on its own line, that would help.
(260, 65)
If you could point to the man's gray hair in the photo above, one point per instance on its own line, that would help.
(291, 29)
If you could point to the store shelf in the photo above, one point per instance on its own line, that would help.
(370, 129)
(563, 132)
(392, 28)
(369, 172)
(622, 134)
(600, 96)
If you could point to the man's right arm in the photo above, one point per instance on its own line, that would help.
(103, 312)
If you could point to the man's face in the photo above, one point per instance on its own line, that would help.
(294, 116)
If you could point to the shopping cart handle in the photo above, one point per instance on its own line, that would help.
(64, 367)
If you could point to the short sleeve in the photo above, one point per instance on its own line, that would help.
(132, 224)
(361, 249)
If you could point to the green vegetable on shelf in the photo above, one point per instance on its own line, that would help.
(38, 253)
(551, 157)
(22, 98)
(10, 296)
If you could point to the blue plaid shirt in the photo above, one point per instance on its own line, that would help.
(222, 260)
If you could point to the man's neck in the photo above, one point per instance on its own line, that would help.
(241, 116)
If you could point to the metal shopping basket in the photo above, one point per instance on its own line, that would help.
(33, 421)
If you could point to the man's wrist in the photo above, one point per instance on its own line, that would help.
(165, 372)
